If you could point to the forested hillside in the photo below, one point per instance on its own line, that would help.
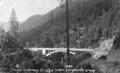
(89, 21)
(33, 22)
(93, 23)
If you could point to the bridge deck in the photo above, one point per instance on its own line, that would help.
(62, 49)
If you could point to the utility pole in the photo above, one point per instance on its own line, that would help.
(67, 29)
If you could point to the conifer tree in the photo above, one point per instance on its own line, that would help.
(14, 25)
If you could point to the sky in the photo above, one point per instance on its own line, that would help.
(25, 8)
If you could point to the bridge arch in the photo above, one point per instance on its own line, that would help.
(57, 52)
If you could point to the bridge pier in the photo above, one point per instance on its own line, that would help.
(44, 51)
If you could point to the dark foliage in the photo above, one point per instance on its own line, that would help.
(116, 42)
(79, 58)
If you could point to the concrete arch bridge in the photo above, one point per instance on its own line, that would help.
(49, 51)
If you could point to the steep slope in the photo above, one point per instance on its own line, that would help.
(32, 22)
(88, 21)
(104, 48)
